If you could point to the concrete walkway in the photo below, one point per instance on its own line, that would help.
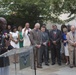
(46, 70)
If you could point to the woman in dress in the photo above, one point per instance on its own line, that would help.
(65, 42)
(4, 61)
(9, 31)
(62, 45)
(21, 37)
(14, 37)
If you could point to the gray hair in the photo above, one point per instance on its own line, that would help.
(37, 24)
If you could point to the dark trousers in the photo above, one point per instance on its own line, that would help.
(48, 53)
(43, 53)
(55, 53)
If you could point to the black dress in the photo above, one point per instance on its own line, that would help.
(4, 61)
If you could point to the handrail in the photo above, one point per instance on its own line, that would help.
(17, 51)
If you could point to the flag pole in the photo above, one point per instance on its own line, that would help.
(15, 63)
(34, 64)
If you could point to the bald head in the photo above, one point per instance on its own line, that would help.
(3, 23)
(37, 25)
(73, 28)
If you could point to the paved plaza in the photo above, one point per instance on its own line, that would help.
(46, 70)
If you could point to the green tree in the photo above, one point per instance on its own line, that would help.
(64, 6)
(20, 11)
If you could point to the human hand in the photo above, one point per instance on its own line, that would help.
(6, 35)
(38, 46)
(44, 43)
(54, 42)
(65, 41)
(16, 42)
(75, 44)
(24, 29)
(21, 40)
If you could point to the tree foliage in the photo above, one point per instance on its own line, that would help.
(20, 11)
(64, 6)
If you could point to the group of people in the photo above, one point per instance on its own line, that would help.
(61, 43)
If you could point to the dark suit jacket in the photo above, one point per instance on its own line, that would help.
(45, 37)
(4, 61)
(57, 38)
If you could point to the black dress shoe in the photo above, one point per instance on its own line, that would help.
(47, 64)
(39, 66)
(74, 65)
(53, 64)
(59, 64)
(71, 66)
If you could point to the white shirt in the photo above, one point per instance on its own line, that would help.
(26, 40)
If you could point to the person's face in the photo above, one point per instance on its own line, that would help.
(54, 27)
(65, 32)
(43, 29)
(73, 29)
(14, 29)
(4, 26)
(37, 27)
(27, 25)
(20, 28)
(9, 27)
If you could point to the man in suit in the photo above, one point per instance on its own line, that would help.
(71, 37)
(43, 52)
(55, 40)
(4, 61)
(47, 31)
(36, 39)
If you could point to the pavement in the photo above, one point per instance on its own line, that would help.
(46, 70)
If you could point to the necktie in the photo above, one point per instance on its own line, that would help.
(54, 34)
